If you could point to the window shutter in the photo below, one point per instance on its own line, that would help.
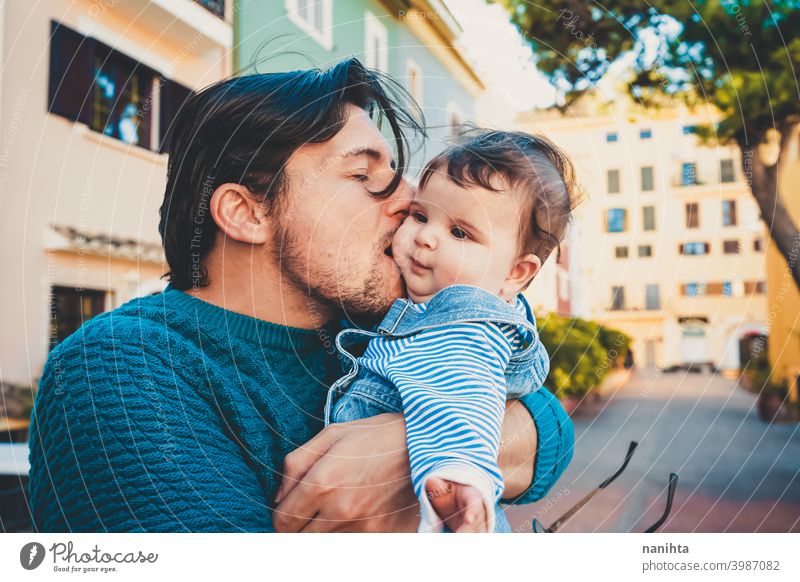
(680, 249)
(707, 247)
(173, 96)
(71, 73)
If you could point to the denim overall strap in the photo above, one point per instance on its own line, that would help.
(457, 303)
(344, 338)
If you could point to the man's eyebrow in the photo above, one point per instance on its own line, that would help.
(370, 152)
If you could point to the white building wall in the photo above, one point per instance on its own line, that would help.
(59, 172)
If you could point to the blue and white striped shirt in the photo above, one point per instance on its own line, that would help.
(451, 381)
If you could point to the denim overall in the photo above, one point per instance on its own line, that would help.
(360, 393)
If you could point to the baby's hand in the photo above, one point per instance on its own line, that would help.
(460, 506)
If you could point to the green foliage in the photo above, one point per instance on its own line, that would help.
(581, 353)
(739, 55)
(575, 41)
(761, 377)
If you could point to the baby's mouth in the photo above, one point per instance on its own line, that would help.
(417, 264)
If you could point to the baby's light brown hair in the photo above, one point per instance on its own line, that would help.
(526, 163)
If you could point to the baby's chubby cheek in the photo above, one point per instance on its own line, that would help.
(402, 243)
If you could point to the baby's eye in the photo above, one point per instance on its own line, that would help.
(419, 217)
(458, 233)
(360, 177)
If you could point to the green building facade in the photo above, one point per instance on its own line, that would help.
(412, 40)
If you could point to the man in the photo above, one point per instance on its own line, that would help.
(177, 412)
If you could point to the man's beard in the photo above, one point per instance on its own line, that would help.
(363, 302)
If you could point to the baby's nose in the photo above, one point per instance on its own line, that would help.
(426, 237)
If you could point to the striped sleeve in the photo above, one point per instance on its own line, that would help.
(452, 385)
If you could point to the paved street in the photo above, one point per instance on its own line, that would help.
(736, 473)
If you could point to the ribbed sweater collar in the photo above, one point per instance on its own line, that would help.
(217, 320)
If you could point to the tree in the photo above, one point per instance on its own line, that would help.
(739, 55)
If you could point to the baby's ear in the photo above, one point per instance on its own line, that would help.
(524, 269)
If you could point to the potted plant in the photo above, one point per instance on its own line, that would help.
(771, 393)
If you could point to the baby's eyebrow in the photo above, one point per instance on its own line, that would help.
(467, 223)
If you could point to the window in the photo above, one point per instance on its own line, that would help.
(731, 247)
(172, 97)
(314, 17)
(215, 6)
(695, 248)
(758, 245)
(692, 215)
(376, 43)
(616, 220)
(649, 217)
(617, 298)
(689, 129)
(688, 174)
(647, 178)
(652, 299)
(455, 119)
(727, 288)
(726, 171)
(757, 287)
(70, 308)
(121, 92)
(645, 251)
(612, 179)
(645, 133)
(729, 213)
(612, 137)
(621, 252)
(414, 80)
(113, 94)
(694, 289)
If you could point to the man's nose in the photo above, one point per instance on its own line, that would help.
(397, 204)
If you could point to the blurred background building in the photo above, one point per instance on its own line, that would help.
(671, 249)
(88, 91)
(783, 295)
(416, 42)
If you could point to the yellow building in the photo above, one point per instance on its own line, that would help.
(783, 296)
(668, 244)
(88, 91)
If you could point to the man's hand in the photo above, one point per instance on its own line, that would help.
(352, 476)
(355, 476)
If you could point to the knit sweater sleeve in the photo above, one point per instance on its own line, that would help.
(122, 439)
(555, 441)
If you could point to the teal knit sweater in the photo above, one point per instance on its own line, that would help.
(172, 414)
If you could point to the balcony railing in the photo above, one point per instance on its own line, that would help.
(215, 6)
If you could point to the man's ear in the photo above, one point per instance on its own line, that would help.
(239, 215)
(521, 274)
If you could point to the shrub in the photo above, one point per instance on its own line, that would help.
(581, 353)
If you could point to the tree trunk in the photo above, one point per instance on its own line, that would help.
(763, 181)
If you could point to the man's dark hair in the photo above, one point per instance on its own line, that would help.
(244, 129)
(528, 163)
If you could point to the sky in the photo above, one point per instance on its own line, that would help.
(500, 55)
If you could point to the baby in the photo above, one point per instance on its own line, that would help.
(488, 213)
